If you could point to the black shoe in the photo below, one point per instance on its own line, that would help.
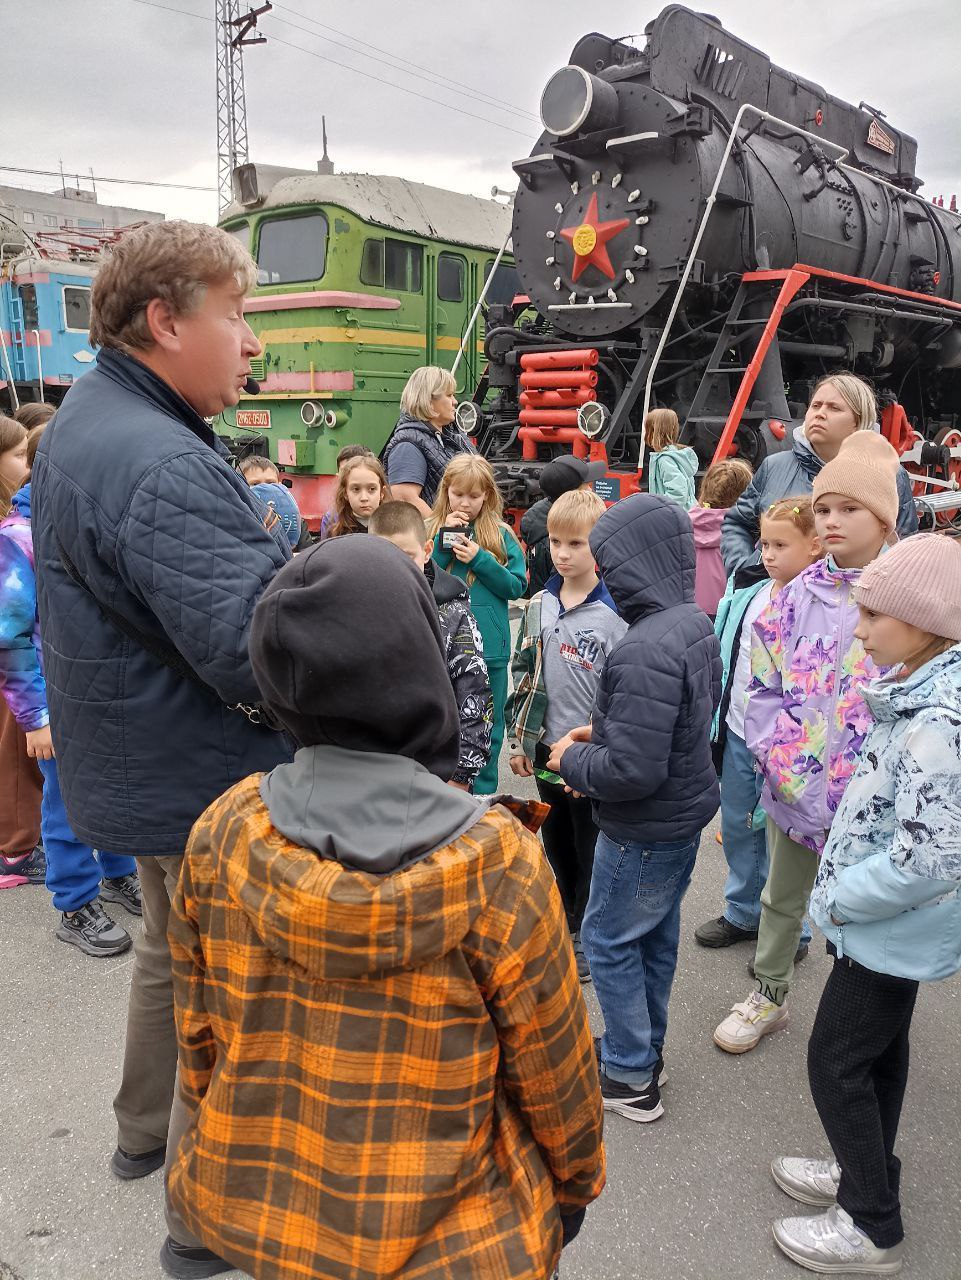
(126, 891)
(660, 1075)
(799, 955)
(721, 933)
(92, 930)
(126, 1166)
(642, 1105)
(186, 1263)
(583, 968)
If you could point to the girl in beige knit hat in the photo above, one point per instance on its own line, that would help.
(806, 719)
(888, 899)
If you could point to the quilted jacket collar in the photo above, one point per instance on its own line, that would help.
(129, 373)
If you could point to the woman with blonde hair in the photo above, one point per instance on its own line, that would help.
(425, 438)
(488, 557)
(840, 404)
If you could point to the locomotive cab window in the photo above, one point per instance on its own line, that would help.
(76, 307)
(505, 286)
(393, 264)
(240, 232)
(292, 250)
(28, 303)
(450, 277)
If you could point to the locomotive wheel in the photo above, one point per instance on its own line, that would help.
(951, 438)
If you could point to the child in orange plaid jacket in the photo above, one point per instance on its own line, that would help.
(385, 1061)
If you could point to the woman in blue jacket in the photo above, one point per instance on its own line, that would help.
(888, 899)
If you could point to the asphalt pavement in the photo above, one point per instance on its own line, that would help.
(689, 1196)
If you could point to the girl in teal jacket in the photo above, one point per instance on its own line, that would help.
(888, 899)
(489, 559)
(671, 467)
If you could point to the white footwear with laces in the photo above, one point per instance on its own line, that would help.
(832, 1244)
(810, 1181)
(747, 1022)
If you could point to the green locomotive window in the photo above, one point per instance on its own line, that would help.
(403, 265)
(76, 307)
(372, 263)
(240, 232)
(505, 286)
(450, 277)
(292, 249)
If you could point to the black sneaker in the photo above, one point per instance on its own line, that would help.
(186, 1263)
(92, 930)
(28, 868)
(721, 933)
(128, 1167)
(126, 891)
(660, 1075)
(799, 955)
(583, 968)
(642, 1105)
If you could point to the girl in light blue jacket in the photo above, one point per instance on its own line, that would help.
(888, 899)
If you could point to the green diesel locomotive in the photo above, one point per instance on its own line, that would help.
(361, 279)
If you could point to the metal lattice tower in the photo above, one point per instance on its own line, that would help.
(233, 33)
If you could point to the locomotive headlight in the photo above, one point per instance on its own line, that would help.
(573, 99)
(312, 414)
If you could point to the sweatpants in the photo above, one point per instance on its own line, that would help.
(858, 1058)
(20, 790)
(73, 869)
(485, 784)
(792, 870)
(569, 840)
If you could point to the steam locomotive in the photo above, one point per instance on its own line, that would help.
(699, 229)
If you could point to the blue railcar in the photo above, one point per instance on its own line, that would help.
(44, 328)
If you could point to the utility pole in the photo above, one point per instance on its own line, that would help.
(233, 34)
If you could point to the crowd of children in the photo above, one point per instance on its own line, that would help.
(814, 696)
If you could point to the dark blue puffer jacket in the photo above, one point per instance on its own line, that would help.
(131, 483)
(648, 765)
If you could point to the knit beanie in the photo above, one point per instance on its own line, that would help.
(918, 581)
(346, 647)
(866, 471)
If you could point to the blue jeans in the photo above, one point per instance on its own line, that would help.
(744, 848)
(630, 934)
(73, 873)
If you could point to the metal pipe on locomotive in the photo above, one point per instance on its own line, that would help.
(699, 228)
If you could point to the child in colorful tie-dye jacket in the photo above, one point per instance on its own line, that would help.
(806, 719)
(74, 874)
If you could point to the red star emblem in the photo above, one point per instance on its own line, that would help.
(589, 241)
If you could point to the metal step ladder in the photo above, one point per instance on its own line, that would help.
(17, 348)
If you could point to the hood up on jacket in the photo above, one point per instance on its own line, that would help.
(706, 523)
(361, 827)
(645, 554)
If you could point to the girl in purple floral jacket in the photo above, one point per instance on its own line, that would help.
(806, 719)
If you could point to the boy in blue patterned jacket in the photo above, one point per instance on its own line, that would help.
(888, 899)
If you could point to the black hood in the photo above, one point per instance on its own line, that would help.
(644, 548)
(444, 586)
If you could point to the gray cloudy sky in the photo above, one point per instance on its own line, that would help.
(128, 89)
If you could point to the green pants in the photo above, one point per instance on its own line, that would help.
(792, 870)
(485, 784)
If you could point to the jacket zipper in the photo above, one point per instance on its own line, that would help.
(825, 824)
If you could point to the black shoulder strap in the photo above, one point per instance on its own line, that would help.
(165, 654)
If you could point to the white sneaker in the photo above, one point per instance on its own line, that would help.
(744, 1026)
(832, 1244)
(810, 1181)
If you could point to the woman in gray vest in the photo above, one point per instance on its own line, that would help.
(425, 439)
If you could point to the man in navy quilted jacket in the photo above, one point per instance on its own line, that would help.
(151, 554)
(645, 760)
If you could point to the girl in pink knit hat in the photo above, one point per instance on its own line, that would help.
(806, 719)
(888, 899)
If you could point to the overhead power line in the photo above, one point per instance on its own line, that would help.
(96, 177)
(391, 84)
(404, 64)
